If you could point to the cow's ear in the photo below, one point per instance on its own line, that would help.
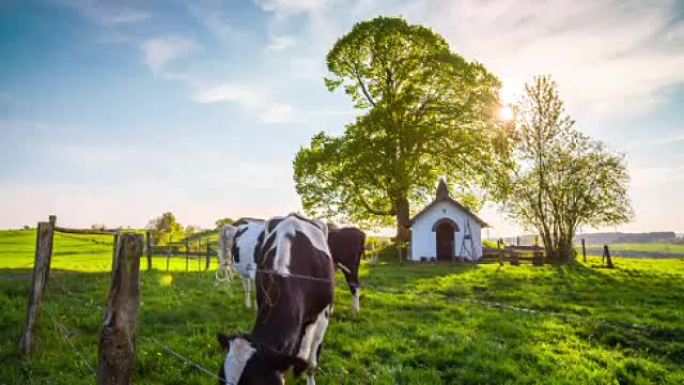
(224, 341)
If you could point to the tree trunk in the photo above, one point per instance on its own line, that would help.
(403, 224)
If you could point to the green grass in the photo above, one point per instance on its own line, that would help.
(420, 324)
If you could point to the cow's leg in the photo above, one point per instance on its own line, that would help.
(356, 292)
(246, 286)
(310, 345)
(353, 281)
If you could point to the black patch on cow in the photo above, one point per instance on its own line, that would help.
(236, 253)
(347, 246)
(241, 230)
(272, 223)
(236, 249)
(258, 247)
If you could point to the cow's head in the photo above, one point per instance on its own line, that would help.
(247, 363)
(226, 242)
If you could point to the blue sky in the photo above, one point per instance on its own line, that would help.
(113, 112)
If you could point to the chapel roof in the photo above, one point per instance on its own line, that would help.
(444, 196)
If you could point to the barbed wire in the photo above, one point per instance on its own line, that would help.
(65, 333)
(182, 357)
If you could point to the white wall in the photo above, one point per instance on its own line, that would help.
(424, 240)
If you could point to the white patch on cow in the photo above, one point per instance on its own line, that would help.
(356, 306)
(247, 243)
(285, 231)
(313, 337)
(240, 352)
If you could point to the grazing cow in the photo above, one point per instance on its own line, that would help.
(347, 246)
(238, 245)
(295, 285)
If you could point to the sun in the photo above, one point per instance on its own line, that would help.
(506, 113)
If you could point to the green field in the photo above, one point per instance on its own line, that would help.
(668, 248)
(420, 324)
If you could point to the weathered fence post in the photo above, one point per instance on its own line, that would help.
(118, 336)
(500, 252)
(517, 240)
(168, 254)
(584, 250)
(187, 254)
(199, 255)
(208, 258)
(148, 249)
(41, 271)
(116, 240)
(606, 254)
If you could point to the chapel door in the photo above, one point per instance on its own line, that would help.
(445, 241)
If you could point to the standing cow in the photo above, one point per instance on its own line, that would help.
(238, 245)
(295, 285)
(347, 246)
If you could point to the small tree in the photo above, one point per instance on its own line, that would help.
(165, 227)
(223, 222)
(562, 179)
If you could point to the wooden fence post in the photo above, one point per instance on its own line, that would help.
(199, 255)
(584, 250)
(208, 258)
(116, 240)
(606, 254)
(187, 254)
(517, 240)
(168, 254)
(500, 250)
(148, 249)
(118, 336)
(41, 272)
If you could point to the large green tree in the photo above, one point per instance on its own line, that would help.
(423, 112)
(561, 178)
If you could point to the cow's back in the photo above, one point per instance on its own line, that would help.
(346, 245)
(295, 281)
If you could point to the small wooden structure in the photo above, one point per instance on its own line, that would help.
(513, 254)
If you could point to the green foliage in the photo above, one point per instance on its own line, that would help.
(224, 222)
(165, 229)
(562, 179)
(419, 324)
(425, 112)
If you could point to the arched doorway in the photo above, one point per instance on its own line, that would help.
(445, 230)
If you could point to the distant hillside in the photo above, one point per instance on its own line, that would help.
(609, 238)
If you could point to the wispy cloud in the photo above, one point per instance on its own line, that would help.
(280, 43)
(106, 13)
(159, 52)
(251, 98)
(289, 7)
(213, 18)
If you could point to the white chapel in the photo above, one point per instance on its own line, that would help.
(445, 230)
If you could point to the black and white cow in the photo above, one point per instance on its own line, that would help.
(238, 245)
(295, 284)
(347, 247)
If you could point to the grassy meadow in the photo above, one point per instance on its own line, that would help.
(419, 324)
